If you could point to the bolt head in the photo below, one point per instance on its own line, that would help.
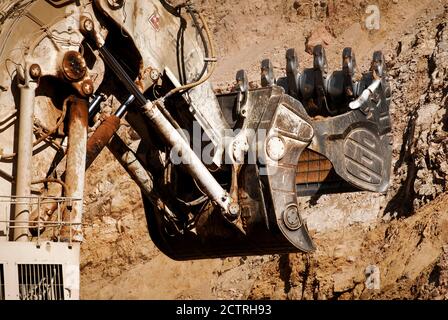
(87, 87)
(35, 71)
(291, 218)
(234, 211)
(275, 148)
(74, 66)
(154, 75)
(116, 4)
(88, 25)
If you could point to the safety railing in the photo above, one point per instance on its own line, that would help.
(46, 217)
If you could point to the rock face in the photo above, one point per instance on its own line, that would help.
(436, 286)
(431, 125)
(420, 74)
(401, 235)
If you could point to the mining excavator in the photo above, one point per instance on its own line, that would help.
(220, 174)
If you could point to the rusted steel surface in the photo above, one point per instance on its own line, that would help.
(74, 66)
(75, 167)
(101, 138)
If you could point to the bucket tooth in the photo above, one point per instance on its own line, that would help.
(348, 69)
(378, 66)
(242, 81)
(292, 73)
(267, 73)
(242, 84)
(320, 72)
(320, 59)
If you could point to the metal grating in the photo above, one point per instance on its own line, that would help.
(313, 168)
(2, 283)
(315, 175)
(41, 282)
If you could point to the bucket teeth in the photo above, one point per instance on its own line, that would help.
(292, 72)
(267, 73)
(321, 92)
(348, 69)
(348, 61)
(320, 72)
(378, 65)
(242, 81)
(320, 59)
(242, 84)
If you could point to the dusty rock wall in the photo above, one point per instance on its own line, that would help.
(420, 85)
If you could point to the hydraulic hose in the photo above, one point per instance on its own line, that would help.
(211, 59)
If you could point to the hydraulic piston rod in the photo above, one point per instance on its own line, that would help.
(24, 160)
(189, 159)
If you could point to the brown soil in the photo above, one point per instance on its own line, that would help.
(403, 233)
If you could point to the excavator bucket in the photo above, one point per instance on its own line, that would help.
(342, 146)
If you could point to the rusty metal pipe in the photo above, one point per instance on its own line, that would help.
(101, 137)
(24, 159)
(75, 167)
